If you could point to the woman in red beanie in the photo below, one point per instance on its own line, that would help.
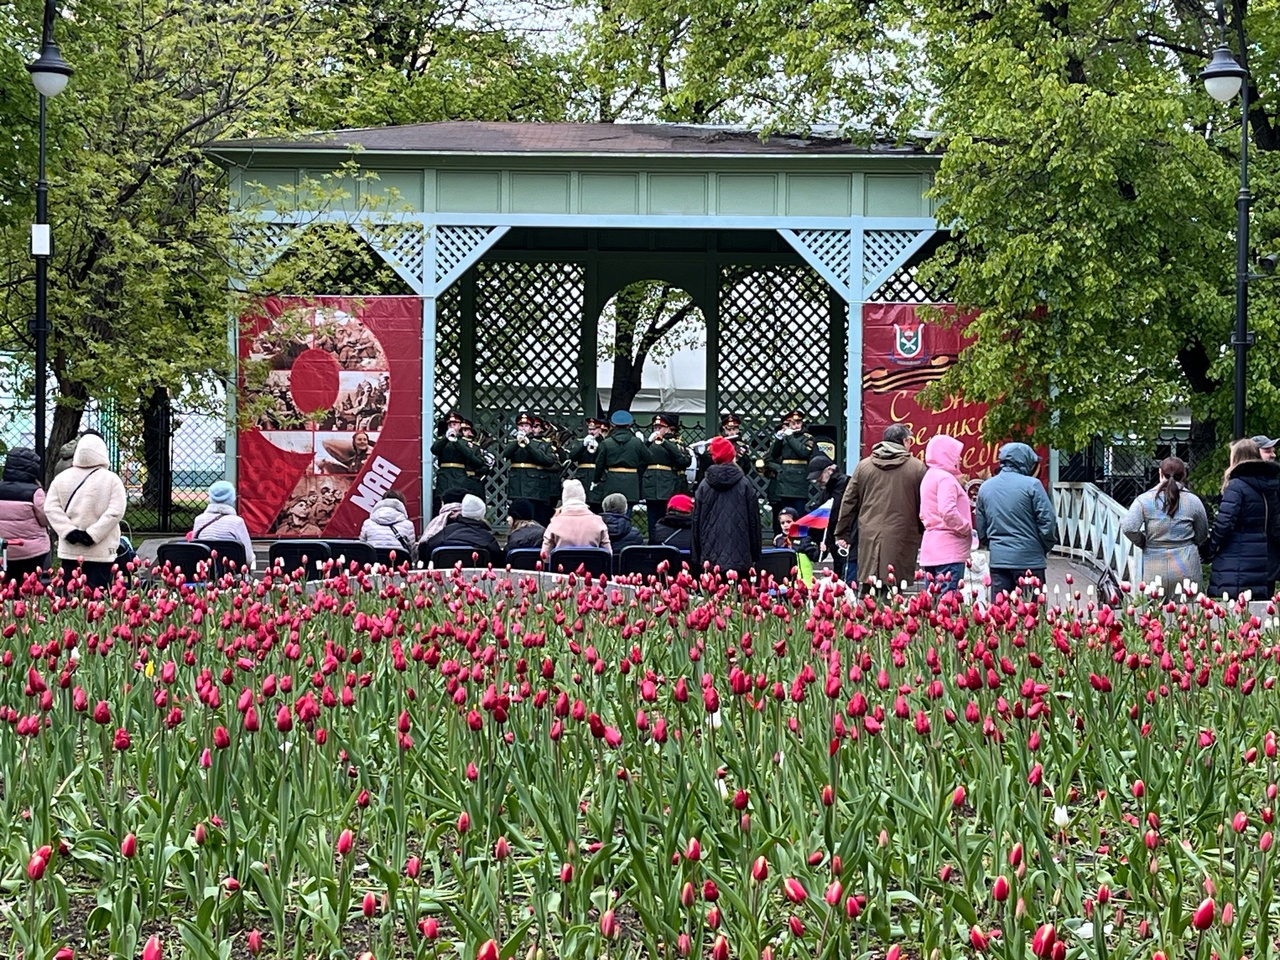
(726, 516)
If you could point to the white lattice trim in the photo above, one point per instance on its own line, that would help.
(257, 246)
(457, 248)
(403, 247)
(885, 251)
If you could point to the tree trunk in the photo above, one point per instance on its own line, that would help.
(66, 425)
(626, 377)
(157, 427)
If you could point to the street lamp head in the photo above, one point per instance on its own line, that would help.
(1224, 75)
(50, 73)
(1267, 264)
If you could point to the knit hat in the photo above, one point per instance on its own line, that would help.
(472, 507)
(573, 492)
(222, 492)
(521, 510)
(722, 450)
(817, 463)
(680, 503)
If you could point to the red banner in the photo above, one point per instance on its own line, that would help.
(334, 385)
(901, 355)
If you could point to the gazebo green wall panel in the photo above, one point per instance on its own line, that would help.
(449, 203)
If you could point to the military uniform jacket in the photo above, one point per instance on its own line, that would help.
(789, 457)
(527, 480)
(460, 465)
(664, 477)
(551, 476)
(581, 463)
(621, 457)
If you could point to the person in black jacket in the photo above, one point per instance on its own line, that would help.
(523, 531)
(675, 529)
(1245, 541)
(827, 474)
(468, 530)
(726, 516)
(622, 532)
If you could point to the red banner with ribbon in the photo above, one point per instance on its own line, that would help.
(333, 386)
(901, 355)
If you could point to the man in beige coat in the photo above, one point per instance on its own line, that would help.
(883, 495)
(84, 505)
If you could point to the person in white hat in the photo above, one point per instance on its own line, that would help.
(221, 522)
(469, 529)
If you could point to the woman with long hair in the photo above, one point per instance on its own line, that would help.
(1169, 523)
(1245, 542)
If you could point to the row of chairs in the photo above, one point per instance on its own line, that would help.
(312, 556)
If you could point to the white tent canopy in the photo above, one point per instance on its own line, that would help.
(675, 384)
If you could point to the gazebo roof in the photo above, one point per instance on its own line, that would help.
(571, 139)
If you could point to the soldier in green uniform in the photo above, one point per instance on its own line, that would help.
(664, 476)
(459, 463)
(620, 460)
(528, 457)
(481, 469)
(731, 430)
(789, 458)
(544, 434)
(580, 461)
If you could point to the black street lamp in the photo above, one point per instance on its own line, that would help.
(1223, 78)
(50, 74)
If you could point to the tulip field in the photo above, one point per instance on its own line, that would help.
(493, 767)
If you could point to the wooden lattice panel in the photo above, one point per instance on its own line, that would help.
(528, 342)
(775, 349)
(448, 356)
(904, 287)
(402, 246)
(455, 244)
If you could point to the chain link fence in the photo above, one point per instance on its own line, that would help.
(167, 451)
(1124, 467)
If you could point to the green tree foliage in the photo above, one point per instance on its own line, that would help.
(140, 275)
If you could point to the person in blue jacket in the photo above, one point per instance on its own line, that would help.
(1015, 520)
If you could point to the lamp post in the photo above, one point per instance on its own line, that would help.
(1223, 78)
(50, 74)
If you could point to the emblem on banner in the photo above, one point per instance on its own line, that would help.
(908, 341)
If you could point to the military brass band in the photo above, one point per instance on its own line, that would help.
(617, 456)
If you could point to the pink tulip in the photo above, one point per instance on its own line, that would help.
(255, 942)
(1202, 919)
(346, 840)
(794, 890)
(608, 925)
(154, 950)
(129, 846)
(1043, 940)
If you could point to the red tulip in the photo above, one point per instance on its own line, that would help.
(957, 800)
(284, 719)
(345, 842)
(796, 925)
(154, 950)
(794, 890)
(895, 953)
(979, 939)
(1264, 842)
(566, 873)
(710, 892)
(1015, 855)
(255, 942)
(1043, 940)
(1240, 822)
(1000, 889)
(65, 953)
(1139, 788)
(430, 928)
(501, 849)
(1202, 919)
(123, 742)
(834, 890)
(129, 846)
(412, 868)
(102, 713)
(828, 795)
(760, 870)
(251, 724)
(464, 822)
(608, 925)
(688, 896)
(36, 866)
(221, 738)
(720, 949)
(693, 850)
(369, 906)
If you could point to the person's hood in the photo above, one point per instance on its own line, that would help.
(22, 465)
(388, 512)
(677, 521)
(1020, 458)
(944, 452)
(620, 435)
(889, 456)
(1259, 474)
(722, 476)
(618, 524)
(90, 452)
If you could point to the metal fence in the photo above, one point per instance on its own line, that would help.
(1122, 468)
(167, 452)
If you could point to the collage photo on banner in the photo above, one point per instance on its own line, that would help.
(337, 418)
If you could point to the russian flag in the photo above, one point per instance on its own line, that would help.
(816, 520)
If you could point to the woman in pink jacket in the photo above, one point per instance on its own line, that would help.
(945, 514)
(574, 525)
(22, 513)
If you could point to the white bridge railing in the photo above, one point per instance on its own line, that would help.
(1089, 530)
